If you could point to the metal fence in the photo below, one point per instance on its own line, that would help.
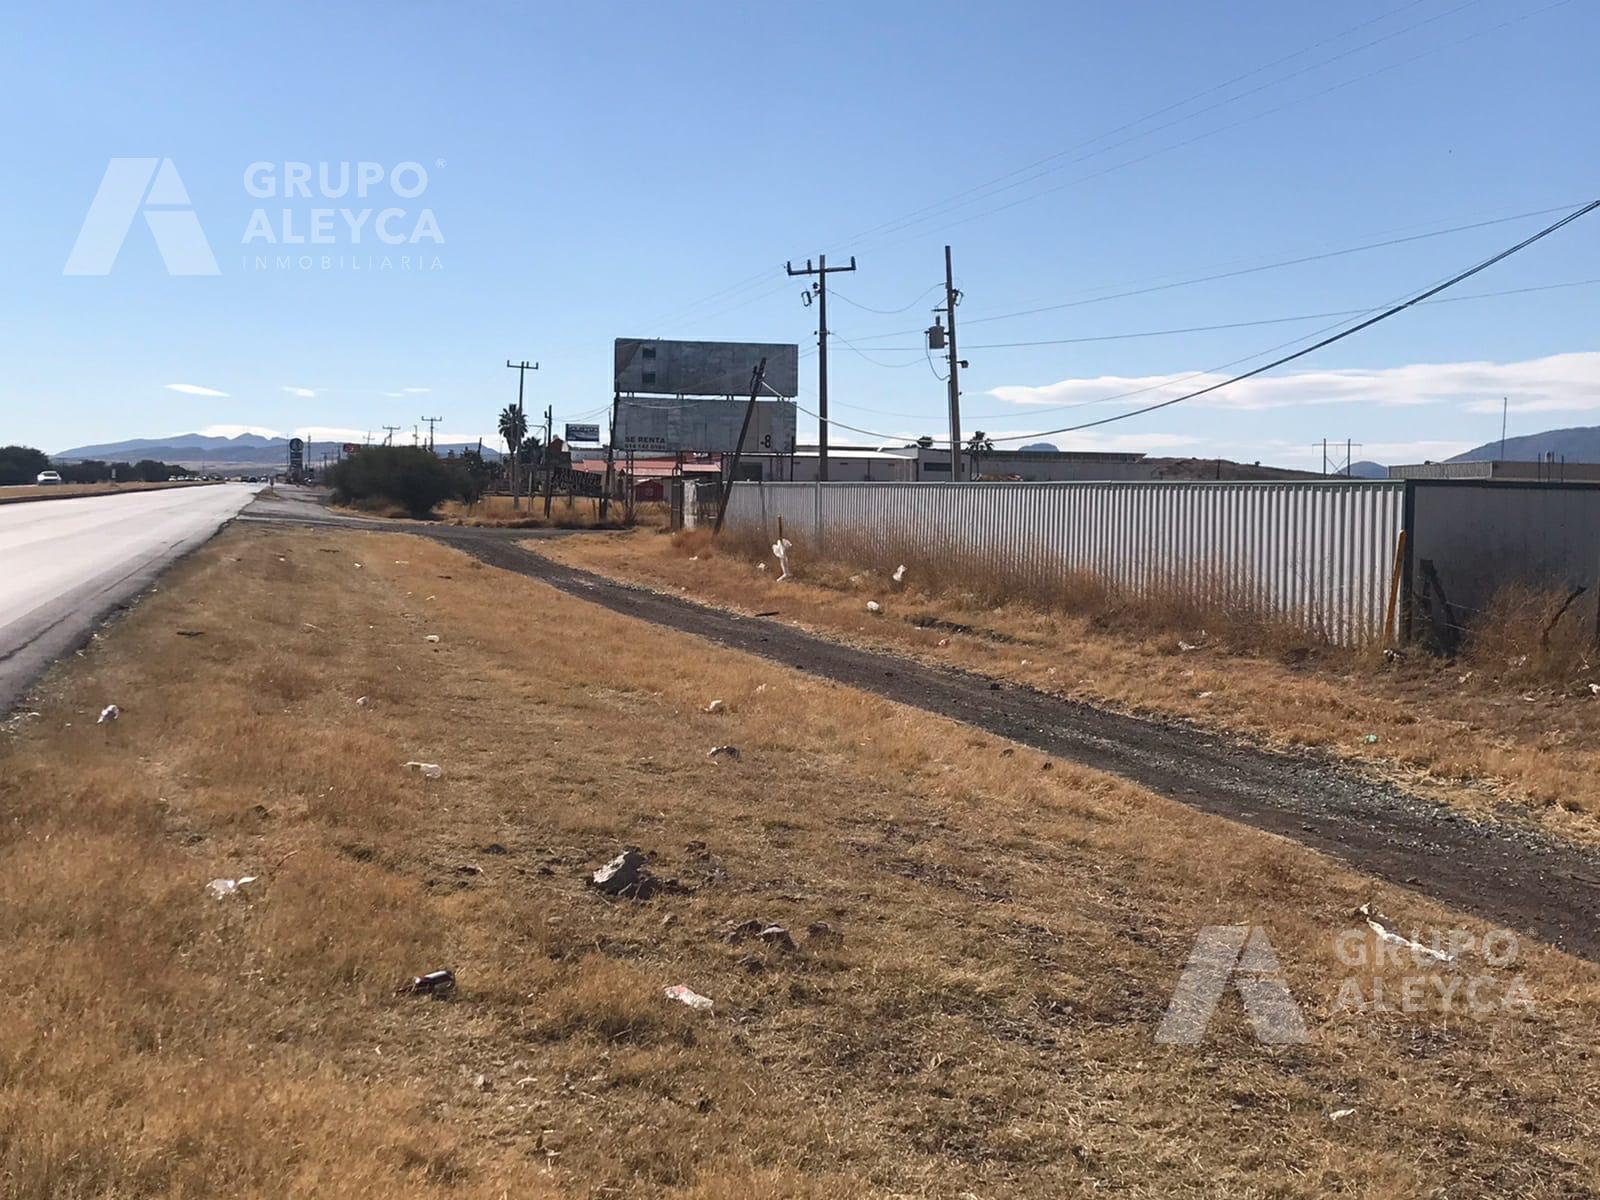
(1317, 555)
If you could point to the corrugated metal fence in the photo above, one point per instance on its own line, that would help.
(1318, 555)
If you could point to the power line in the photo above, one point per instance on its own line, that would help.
(1394, 310)
(947, 206)
(1389, 311)
(904, 220)
(889, 312)
(1151, 333)
(1252, 269)
(1199, 137)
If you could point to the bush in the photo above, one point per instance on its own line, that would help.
(407, 476)
(21, 464)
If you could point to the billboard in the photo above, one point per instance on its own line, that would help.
(645, 366)
(704, 426)
(582, 433)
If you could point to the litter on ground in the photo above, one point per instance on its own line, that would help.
(429, 770)
(686, 995)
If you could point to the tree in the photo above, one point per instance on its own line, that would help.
(21, 464)
(977, 444)
(513, 428)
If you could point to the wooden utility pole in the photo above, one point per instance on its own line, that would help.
(756, 378)
(432, 421)
(951, 298)
(389, 432)
(820, 291)
(521, 368)
(611, 455)
(549, 464)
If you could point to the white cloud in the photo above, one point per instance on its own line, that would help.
(193, 389)
(416, 391)
(304, 393)
(1151, 443)
(1560, 382)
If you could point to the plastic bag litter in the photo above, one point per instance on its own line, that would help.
(715, 706)
(430, 770)
(686, 995)
(899, 575)
(723, 752)
(437, 984)
(1375, 922)
(220, 889)
(780, 551)
(432, 637)
(109, 713)
(874, 607)
(363, 701)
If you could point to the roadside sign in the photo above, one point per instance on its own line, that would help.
(297, 456)
(582, 433)
(703, 426)
(667, 368)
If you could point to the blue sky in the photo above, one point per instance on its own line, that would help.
(600, 170)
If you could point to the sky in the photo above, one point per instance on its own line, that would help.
(188, 248)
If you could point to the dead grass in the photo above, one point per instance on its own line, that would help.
(12, 495)
(993, 941)
(1483, 734)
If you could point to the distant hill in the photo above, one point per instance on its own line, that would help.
(248, 451)
(1368, 470)
(1224, 469)
(1050, 446)
(1578, 444)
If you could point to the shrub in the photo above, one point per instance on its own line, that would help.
(410, 477)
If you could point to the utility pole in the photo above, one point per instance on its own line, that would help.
(432, 421)
(940, 338)
(521, 368)
(820, 291)
(611, 456)
(389, 432)
(1505, 407)
(549, 466)
(951, 299)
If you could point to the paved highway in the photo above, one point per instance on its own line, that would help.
(65, 563)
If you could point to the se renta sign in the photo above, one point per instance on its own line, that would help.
(582, 433)
(703, 426)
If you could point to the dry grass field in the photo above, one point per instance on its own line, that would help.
(1510, 724)
(984, 940)
(580, 512)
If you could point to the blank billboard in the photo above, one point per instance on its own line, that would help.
(704, 426)
(666, 368)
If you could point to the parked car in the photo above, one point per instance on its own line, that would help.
(49, 477)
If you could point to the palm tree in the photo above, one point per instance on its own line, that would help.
(977, 444)
(513, 428)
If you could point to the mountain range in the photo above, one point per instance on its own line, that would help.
(1580, 443)
(247, 451)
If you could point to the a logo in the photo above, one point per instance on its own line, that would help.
(1242, 955)
(129, 186)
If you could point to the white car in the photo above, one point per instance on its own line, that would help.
(49, 477)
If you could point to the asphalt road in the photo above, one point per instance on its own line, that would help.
(65, 564)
